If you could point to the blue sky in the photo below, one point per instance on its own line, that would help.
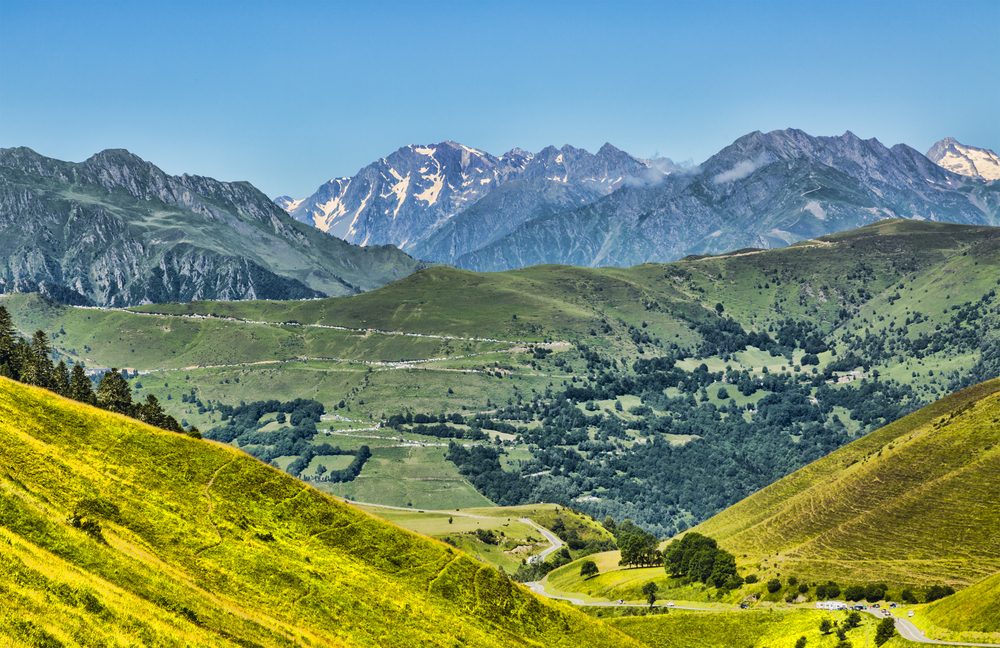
(289, 94)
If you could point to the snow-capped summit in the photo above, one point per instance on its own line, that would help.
(965, 160)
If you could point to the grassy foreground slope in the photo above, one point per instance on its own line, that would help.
(114, 533)
(916, 502)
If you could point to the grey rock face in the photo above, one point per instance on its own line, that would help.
(115, 230)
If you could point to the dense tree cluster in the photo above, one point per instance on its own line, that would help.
(481, 466)
(361, 456)
(437, 425)
(30, 362)
(697, 558)
(638, 548)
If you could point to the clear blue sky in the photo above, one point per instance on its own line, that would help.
(289, 94)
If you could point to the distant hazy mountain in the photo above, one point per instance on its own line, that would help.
(966, 160)
(764, 191)
(116, 230)
(442, 200)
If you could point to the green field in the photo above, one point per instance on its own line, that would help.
(416, 476)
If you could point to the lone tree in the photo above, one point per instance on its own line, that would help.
(650, 589)
(801, 643)
(825, 626)
(886, 629)
(588, 569)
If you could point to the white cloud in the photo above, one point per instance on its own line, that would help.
(659, 168)
(740, 171)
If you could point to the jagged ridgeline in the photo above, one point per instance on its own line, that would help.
(115, 230)
(109, 528)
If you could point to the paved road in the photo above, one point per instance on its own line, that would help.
(538, 588)
(908, 631)
(553, 540)
(408, 508)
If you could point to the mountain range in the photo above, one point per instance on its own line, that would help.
(115, 230)
(443, 200)
(453, 204)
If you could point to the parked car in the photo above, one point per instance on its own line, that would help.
(670, 604)
(910, 613)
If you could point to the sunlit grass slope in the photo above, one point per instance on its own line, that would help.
(199, 544)
(747, 629)
(974, 609)
(914, 503)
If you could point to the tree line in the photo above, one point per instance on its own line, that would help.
(30, 362)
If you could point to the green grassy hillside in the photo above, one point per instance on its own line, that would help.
(916, 502)
(115, 533)
(747, 629)
(973, 610)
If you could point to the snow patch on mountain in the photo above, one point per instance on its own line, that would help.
(965, 160)
(817, 211)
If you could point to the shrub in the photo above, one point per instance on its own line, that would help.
(773, 585)
(938, 592)
(886, 629)
(854, 593)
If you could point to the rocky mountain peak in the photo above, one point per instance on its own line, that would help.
(965, 160)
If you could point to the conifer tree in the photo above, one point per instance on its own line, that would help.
(60, 379)
(114, 394)
(9, 356)
(80, 387)
(150, 412)
(38, 368)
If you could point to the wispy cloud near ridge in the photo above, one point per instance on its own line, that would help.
(740, 171)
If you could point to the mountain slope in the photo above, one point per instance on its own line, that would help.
(915, 502)
(971, 609)
(965, 160)
(110, 528)
(436, 201)
(115, 230)
(765, 191)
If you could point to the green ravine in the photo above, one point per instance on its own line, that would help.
(185, 542)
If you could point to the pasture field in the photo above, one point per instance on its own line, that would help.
(417, 477)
